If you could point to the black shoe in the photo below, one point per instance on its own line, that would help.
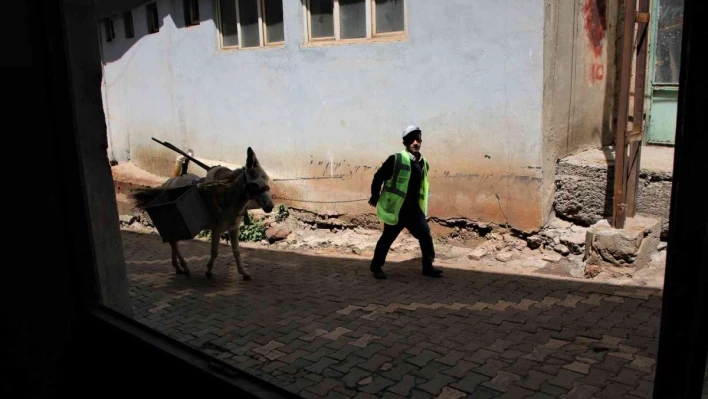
(433, 268)
(378, 273)
(432, 272)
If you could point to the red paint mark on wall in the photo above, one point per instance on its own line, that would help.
(597, 72)
(595, 24)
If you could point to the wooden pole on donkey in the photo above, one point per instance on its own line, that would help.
(173, 148)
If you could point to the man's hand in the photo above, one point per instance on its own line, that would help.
(373, 200)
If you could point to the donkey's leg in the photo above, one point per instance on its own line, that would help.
(182, 262)
(215, 237)
(173, 248)
(236, 249)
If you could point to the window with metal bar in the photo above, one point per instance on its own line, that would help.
(354, 20)
(250, 23)
(109, 30)
(153, 19)
(191, 12)
(128, 24)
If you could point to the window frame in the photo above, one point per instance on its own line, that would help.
(76, 112)
(371, 35)
(73, 103)
(262, 31)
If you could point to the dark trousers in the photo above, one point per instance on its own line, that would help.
(414, 221)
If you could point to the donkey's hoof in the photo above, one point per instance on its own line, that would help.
(187, 273)
(208, 275)
(247, 277)
(179, 272)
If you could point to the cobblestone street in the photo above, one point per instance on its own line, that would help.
(323, 327)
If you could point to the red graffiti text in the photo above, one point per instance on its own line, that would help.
(597, 72)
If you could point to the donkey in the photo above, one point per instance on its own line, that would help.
(229, 203)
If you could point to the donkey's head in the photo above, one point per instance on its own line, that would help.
(257, 182)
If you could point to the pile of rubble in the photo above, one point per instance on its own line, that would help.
(583, 251)
(563, 237)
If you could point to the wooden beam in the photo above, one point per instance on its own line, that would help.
(619, 205)
(638, 129)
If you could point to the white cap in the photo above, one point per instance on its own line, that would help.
(410, 129)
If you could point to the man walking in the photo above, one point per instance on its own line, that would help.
(403, 202)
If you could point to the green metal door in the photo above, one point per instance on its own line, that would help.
(664, 67)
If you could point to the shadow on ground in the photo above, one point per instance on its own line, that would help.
(323, 327)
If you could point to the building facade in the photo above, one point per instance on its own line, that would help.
(321, 90)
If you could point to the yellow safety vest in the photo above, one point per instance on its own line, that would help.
(395, 190)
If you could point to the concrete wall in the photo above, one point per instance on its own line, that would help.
(580, 78)
(470, 73)
(585, 183)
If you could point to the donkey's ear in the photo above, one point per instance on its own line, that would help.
(251, 161)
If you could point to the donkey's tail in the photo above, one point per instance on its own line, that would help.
(143, 196)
